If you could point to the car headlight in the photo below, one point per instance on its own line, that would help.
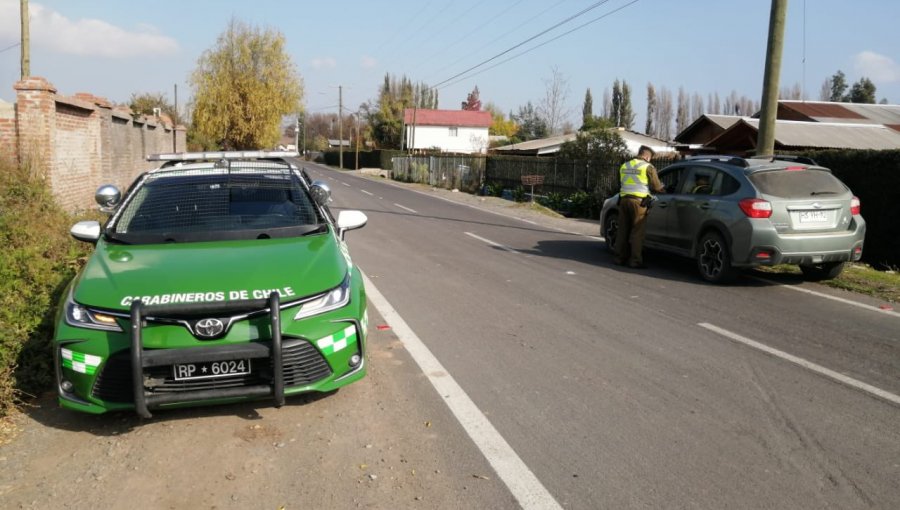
(81, 317)
(335, 298)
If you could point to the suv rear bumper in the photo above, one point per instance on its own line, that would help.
(761, 244)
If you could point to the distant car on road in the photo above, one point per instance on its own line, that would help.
(219, 277)
(729, 212)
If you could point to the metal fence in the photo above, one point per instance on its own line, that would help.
(465, 173)
(471, 173)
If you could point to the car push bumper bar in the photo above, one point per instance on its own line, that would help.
(141, 359)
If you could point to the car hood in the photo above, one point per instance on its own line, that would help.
(210, 271)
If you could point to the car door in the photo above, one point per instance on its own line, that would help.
(693, 204)
(657, 230)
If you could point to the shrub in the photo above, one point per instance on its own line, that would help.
(518, 194)
(37, 260)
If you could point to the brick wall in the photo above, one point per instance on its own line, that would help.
(81, 142)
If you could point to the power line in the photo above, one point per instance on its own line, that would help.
(492, 41)
(526, 41)
(10, 47)
(529, 50)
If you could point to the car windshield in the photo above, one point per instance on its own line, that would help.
(797, 183)
(243, 200)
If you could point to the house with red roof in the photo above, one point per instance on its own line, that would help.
(454, 131)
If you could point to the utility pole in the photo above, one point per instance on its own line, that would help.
(175, 123)
(341, 127)
(357, 141)
(26, 40)
(297, 133)
(765, 142)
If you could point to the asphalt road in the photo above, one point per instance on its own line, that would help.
(622, 388)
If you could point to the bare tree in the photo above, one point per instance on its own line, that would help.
(607, 104)
(664, 114)
(553, 106)
(716, 104)
(681, 117)
(696, 108)
(825, 91)
(792, 93)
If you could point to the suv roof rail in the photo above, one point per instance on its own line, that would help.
(787, 157)
(731, 160)
(218, 155)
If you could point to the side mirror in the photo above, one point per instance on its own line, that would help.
(107, 197)
(350, 220)
(320, 192)
(87, 231)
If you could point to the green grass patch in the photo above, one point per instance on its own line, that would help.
(37, 260)
(855, 277)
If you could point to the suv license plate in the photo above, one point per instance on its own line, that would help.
(813, 216)
(210, 369)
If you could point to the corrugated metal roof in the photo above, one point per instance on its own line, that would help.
(459, 118)
(551, 144)
(722, 121)
(824, 111)
(821, 135)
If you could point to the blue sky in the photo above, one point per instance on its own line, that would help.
(114, 48)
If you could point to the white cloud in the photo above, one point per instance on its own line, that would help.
(368, 62)
(83, 37)
(324, 63)
(878, 68)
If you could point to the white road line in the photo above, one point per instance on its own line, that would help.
(345, 184)
(522, 483)
(367, 193)
(492, 243)
(841, 378)
(833, 298)
(406, 208)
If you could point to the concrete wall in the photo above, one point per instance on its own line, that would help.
(81, 142)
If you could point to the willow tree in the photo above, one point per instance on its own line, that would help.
(243, 86)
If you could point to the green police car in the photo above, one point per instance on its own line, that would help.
(218, 277)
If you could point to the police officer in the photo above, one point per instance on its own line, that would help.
(637, 178)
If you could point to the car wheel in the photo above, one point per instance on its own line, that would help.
(823, 271)
(714, 259)
(610, 230)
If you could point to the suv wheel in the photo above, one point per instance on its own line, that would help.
(823, 271)
(713, 258)
(610, 230)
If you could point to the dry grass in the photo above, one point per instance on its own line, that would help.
(857, 277)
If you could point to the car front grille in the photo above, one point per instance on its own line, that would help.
(303, 364)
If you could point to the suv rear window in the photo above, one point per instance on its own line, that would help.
(797, 183)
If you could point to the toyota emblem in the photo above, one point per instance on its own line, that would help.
(209, 328)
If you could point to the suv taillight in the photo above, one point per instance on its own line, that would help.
(756, 207)
(854, 206)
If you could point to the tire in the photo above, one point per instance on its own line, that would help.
(823, 271)
(610, 230)
(714, 258)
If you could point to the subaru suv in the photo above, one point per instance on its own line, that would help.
(219, 277)
(728, 212)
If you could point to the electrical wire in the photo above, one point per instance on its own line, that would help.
(10, 47)
(529, 50)
(526, 41)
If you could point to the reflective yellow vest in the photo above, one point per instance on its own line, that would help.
(633, 176)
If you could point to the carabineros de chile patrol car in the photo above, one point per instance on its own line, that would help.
(219, 277)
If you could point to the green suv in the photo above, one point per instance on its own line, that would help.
(219, 277)
(728, 212)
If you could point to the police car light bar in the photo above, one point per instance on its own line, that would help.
(208, 156)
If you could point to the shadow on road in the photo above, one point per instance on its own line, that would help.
(46, 411)
(661, 265)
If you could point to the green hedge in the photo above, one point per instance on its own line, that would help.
(874, 177)
(37, 261)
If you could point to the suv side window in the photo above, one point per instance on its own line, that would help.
(701, 181)
(670, 178)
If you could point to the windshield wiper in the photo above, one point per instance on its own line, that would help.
(320, 228)
(814, 193)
